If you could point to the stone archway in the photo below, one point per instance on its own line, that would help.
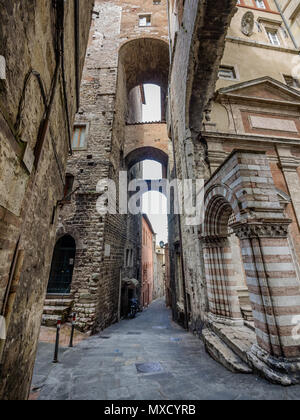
(221, 285)
(140, 154)
(244, 186)
(144, 61)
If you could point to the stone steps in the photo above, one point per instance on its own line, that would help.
(56, 310)
(58, 302)
(56, 307)
(220, 352)
(239, 339)
(50, 320)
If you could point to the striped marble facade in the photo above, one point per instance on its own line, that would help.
(242, 193)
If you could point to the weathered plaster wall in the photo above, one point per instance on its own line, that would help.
(27, 41)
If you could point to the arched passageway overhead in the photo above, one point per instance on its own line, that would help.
(145, 60)
(147, 153)
(62, 266)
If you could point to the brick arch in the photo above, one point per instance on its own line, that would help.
(145, 60)
(146, 153)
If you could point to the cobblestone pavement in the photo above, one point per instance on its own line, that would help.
(106, 367)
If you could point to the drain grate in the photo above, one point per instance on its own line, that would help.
(104, 337)
(153, 367)
(134, 333)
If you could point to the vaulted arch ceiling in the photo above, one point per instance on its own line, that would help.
(145, 60)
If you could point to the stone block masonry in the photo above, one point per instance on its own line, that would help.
(33, 156)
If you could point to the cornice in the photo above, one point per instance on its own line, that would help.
(258, 44)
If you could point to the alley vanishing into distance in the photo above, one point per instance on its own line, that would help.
(148, 358)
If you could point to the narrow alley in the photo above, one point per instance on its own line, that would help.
(150, 358)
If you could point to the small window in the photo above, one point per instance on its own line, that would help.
(144, 20)
(79, 137)
(260, 4)
(273, 37)
(156, 2)
(292, 82)
(227, 73)
(68, 187)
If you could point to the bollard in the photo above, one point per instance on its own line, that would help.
(58, 326)
(72, 330)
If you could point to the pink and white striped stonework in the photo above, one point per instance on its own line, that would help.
(242, 194)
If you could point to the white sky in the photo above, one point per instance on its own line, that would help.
(154, 203)
(152, 109)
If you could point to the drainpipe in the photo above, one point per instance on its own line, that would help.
(287, 25)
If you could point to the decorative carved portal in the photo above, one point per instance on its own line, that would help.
(243, 185)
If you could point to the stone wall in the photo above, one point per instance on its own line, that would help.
(192, 83)
(119, 50)
(34, 145)
(159, 289)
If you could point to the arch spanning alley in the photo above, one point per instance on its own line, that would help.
(147, 153)
(145, 60)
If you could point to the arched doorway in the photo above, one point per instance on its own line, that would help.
(62, 266)
(221, 283)
(270, 272)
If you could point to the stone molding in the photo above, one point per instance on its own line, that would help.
(214, 241)
(268, 229)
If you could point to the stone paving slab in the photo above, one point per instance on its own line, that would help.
(100, 369)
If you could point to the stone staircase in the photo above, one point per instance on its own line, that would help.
(56, 307)
(230, 345)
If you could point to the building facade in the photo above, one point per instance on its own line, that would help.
(290, 11)
(148, 251)
(42, 48)
(159, 289)
(230, 98)
(247, 151)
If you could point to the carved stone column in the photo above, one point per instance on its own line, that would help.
(221, 285)
(275, 297)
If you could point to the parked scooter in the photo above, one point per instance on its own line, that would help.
(134, 308)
